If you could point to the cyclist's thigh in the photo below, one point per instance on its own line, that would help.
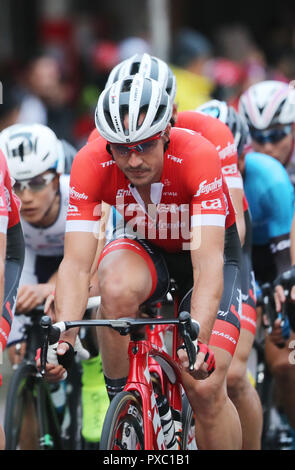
(134, 262)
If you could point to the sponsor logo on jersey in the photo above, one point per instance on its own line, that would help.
(228, 151)
(230, 169)
(212, 204)
(8, 199)
(280, 246)
(175, 159)
(72, 208)
(76, 195)
(205, 188)
(123, 192)
(108, 163)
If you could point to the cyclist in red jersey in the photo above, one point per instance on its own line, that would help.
(243, 395)
(11, 257)
(176, 216)
(217, 132)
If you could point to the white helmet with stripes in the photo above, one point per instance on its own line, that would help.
(145, 102)
(229, 116)
(268, 103)
(148, 66)
(30, 150)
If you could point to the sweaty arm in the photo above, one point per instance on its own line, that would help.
(237, 196)
(207, 261)
(73, 278)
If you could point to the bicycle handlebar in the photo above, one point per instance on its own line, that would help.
(188, 330)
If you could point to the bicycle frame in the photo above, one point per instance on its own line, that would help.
(142, 353)
(139, 380)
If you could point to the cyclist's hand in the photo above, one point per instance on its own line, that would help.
(280, 298)
(54, 371)
(30, 296)
(276, 334)
(204, 365)
(49, 307)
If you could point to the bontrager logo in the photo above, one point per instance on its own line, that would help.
(210, 187)
(76, 195)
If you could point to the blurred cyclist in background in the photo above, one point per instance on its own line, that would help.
(243, 395)
(269, 108)
(40, 163)
(11, 258)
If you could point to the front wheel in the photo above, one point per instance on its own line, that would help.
(123, 424)
(21, 411)
(188, 426)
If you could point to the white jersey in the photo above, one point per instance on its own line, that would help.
(49, 241)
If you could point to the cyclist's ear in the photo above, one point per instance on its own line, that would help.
(55, 182)
(108, 148)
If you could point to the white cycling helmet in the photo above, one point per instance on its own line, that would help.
(268, 103)
(30, 150)
(136, 96)
(229, 116)
(148, 66)
(214, 108)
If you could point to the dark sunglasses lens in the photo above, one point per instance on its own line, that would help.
(273, 136)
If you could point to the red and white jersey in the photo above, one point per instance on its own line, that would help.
(191, 192)
(9, 202)
(221, 136)
(93, 135)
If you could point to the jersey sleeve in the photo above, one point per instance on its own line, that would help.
(226, 147)
(84, 210)
(208, 205)
(3, 210)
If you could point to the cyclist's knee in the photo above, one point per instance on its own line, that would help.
(208, 398)
(237, 379)
(209, 394)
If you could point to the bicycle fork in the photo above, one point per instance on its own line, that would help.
(139, 380)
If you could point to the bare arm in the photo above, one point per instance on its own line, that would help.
(207, 261)
(73, 278)
(237, 195)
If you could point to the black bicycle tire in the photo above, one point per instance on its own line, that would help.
(19, 384)
(11, 429)
(187, 418)
(112, 417)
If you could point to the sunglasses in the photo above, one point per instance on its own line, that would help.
(272, 136)
(142, 147)
(35, 184)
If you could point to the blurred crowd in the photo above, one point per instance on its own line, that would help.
(60, 83)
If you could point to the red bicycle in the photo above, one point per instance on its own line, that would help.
(152, 413)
